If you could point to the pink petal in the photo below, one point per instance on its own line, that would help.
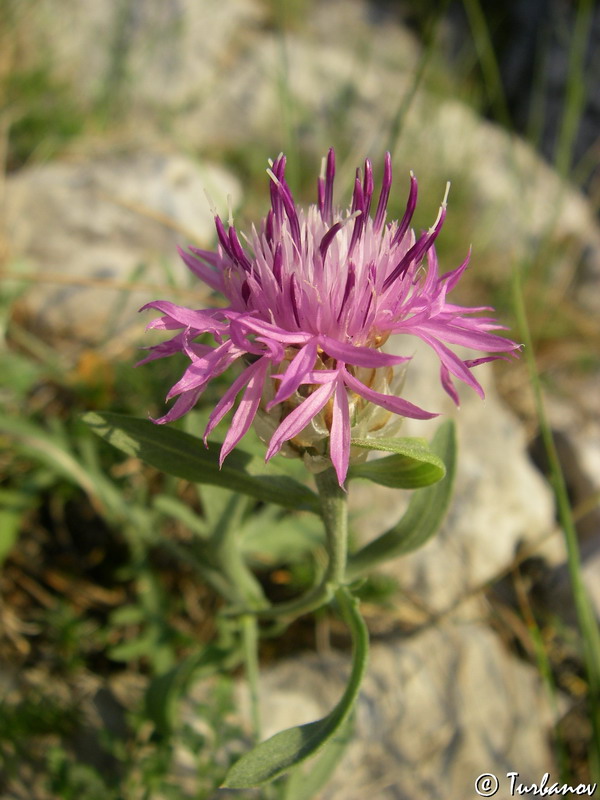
(180, 407)
(339, 440)
(206, 274)
(267, 329)
(452, 278)
(180, 317)
(228, 399)
(395, 404)
(475, 339)
(454, 364)
(300, 417)
(448, 385)
(246, 411)
(358, 356)
(206, 368)
(294, 375)
(175, 345)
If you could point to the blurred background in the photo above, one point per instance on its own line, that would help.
(117, 119)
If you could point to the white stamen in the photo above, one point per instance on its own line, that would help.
(445, 200)
(273, 177)
(211, 205)
(323, 168)
(442, 208)
(230, 210)
(246, 239)
(350, 217)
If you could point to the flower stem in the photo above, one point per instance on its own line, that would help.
(249, 628)
(225, 551)
(334, 510)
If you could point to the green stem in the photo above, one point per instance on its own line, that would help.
(225, 550)
(334, 510)
(249, 627)
(243, 589)
(576, 87)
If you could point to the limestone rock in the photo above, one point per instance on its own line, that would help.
(75, 225)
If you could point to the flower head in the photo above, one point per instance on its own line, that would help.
(313, 296)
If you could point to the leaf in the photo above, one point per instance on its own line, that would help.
(292, 746)
(304, 784)
(412, 465)
(52, 449)
(173, 507)
(273, 537)
(13, 505)
(164, 690)
(184, 456)
(10, 522)
(423, 517)
(143, 645)
(48, 449)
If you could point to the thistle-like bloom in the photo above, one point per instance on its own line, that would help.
(313, 296)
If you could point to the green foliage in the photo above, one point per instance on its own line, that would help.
(179, 454)
(304, 783)
(13, 507)
(289, 748)
(45, 115)
(412, 466)
(70, 780)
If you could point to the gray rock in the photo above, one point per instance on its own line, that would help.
(84, 230)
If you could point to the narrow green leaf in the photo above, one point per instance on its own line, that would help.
(173, 507)
(160, 701)
(423, 517)
(275, 537)
(411, 446)
(142, 646)
(184, 456)
(412, 465)
(47, 448)
(304, 784)
(292, 746)
(52, 448)
(10, 522)
(13, 506)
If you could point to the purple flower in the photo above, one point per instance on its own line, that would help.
(313, 296)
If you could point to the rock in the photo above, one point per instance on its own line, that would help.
(437, 709)
(152, 58)
(77, 225)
